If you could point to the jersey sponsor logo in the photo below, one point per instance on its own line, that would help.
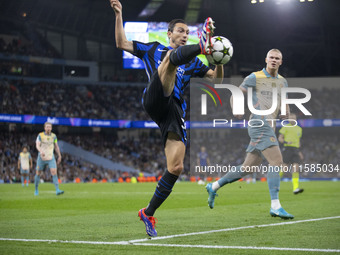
(180, 71)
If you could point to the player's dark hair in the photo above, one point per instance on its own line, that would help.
(173, 23)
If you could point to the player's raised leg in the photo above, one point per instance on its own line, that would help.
(252, 159)
(274, 158)
(167, 75)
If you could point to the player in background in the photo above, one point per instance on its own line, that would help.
(203, 159)
(24, 165)
(46, 143)
(263, 139)
(290, 136)
(169, 70)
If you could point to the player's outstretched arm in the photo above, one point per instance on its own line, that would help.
(121, 41)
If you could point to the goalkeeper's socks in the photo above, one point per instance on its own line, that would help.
(230, 177)
(163, 190)
(184, 54)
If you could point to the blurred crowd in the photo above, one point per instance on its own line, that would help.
(57, 100)
(227, 147)
(114, 102)
(19, 45)
(144, 152)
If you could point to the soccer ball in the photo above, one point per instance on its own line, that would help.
(222, 51)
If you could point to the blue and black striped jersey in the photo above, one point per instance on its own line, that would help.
(152, 55)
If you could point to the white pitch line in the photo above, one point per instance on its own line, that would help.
(62, 241)
(230, 229)
(237, 247)
(171, 245)
(137, 242)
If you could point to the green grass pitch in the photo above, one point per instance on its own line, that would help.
(108, 213)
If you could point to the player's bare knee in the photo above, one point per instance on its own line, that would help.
(176, 169)
(166, 65)
(167, 74)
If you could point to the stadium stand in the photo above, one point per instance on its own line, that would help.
(109, 102)
(145, 154)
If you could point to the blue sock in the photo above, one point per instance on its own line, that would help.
(22, 180)
(273, 179)
(27, 179)
(36, 181)
(55, 181)
(162, 191)
(232, 176)
(184, 54)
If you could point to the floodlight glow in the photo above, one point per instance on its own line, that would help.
(279, 2)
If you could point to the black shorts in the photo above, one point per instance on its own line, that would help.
(291, 155)
(165, 111)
